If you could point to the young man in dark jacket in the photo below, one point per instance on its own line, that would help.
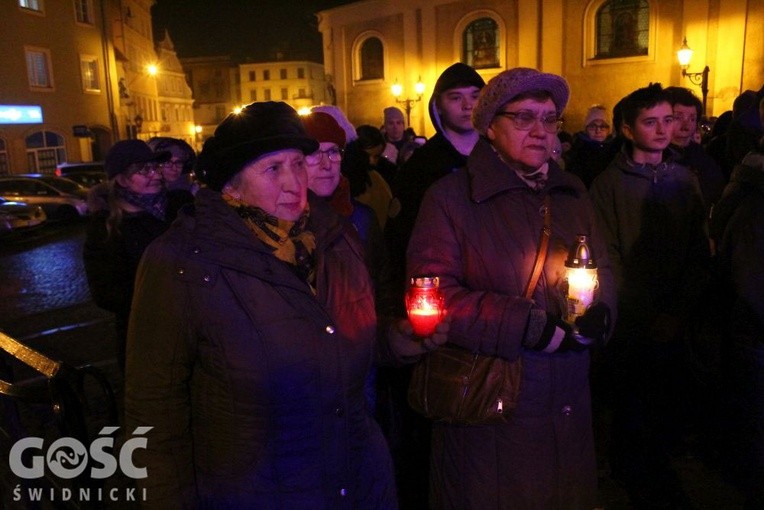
(451, 105)
(650, 211)
(687, 111)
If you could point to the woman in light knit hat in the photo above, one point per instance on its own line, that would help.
(479, 231)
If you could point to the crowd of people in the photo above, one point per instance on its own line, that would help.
(258, 293)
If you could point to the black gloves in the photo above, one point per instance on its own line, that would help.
(595, 323)
(549, 334)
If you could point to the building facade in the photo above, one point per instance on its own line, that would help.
(604, 48)
(301, 84)
(91, 75)
(215, 85)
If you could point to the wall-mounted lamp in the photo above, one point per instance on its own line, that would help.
(684, 55)
(408, 103)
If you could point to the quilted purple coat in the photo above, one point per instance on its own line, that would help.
(478, 230)
(254, 387)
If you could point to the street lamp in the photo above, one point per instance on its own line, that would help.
(408, 103)
(684, 55)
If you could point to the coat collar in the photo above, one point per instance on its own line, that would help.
(490, 176)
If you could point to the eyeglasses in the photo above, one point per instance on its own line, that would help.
(334, 154)
(172, 164)
(148, 169)
(524, 121)
(598, 127)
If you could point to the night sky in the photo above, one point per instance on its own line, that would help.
(245, 29)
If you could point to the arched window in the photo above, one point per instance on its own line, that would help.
(622, 29)
(480, 44)
(372, 59)
(45, 150)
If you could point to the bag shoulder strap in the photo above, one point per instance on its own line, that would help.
(546, 231)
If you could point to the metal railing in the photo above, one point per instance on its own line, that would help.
(62, 390)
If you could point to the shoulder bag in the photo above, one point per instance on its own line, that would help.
(454, 385)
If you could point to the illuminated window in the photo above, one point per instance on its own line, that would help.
(622, 28)
(372, 59)
(38, 68)
(90, 77)
(83, 11)
(45, 150)
(480, 44)
(4, 168)
(32, 5)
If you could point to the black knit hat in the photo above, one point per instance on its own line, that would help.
(259, 129)
(125, 153)
(457, 75)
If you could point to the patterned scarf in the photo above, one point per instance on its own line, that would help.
(289, 240)
(153, 203)
(535, 180)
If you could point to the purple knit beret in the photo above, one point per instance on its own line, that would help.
(511, 83)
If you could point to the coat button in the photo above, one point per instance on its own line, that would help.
(343, 492)
(339, 411)
(206, 278)
(567, 410)
(330, 329)
(181, 270)
(197, 250)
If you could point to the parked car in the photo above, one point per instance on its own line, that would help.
(60, 198)
(87, 174)
(87, 179)
(18, 215)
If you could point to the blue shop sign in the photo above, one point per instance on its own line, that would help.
(20, 114)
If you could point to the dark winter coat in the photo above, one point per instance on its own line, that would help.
(254, 386)
(111, 261)
(587, 158)
(740, 224)
(709, 174)
(653, 220)
(478, 230)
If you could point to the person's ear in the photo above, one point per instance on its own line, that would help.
(122, 179)
(627, 132)
(490, 133)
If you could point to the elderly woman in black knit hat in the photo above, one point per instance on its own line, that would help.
(252, 334)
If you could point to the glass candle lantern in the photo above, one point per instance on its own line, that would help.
(424, 304)
(581, 275)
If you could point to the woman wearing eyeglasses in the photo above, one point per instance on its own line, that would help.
(479, 230)
(138, 209)
(177, 171)
(592, 149)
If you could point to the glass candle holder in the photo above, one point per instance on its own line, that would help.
(581, 275)
(424, 304)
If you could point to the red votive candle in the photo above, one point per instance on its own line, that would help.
(424, 304)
